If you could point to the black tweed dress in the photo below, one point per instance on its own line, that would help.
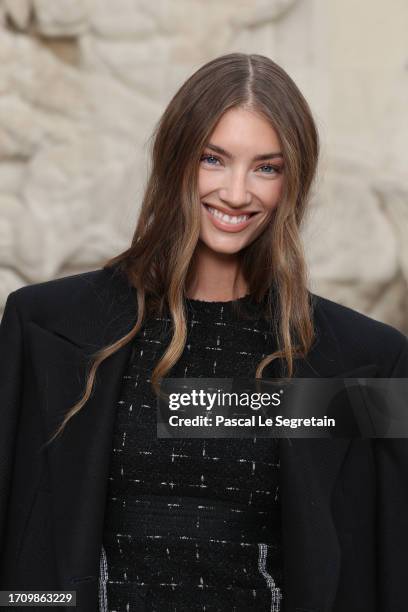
(192, 524)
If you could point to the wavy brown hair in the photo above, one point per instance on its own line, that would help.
(159, 261)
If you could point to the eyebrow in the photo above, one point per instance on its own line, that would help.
(260, 157)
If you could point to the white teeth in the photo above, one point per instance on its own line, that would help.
(227, 218)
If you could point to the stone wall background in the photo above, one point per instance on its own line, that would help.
(82, 84)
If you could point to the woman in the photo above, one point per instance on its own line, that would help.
(213, 285)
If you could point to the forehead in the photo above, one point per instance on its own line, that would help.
(240, 130)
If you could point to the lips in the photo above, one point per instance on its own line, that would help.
(230, 213)
(228, 223)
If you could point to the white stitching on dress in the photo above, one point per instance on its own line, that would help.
(275, 591)
(103, 578)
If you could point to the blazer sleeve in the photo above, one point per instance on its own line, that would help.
(392, 510)
(11, 385)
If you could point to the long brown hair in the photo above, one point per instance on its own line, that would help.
(158, 262)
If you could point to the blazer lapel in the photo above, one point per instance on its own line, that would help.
(79, 458)
(309, 471)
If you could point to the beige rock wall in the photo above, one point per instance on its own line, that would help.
(82, 85)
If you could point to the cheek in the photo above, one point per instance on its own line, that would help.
(271, 197)
(206, 183)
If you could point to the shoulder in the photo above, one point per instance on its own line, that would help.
(359, 339)
(50, 299)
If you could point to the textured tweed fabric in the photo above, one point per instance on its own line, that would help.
(192, 524)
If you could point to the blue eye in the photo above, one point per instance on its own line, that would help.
(276, 169)
(206, 157)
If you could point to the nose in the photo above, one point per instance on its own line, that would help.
(234, 192)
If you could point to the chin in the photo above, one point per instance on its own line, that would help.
(225, 251)
(222, 247)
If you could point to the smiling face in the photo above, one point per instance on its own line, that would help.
(240, 175)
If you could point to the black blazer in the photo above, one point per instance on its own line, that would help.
(344, 502)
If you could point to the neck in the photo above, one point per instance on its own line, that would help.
(215, 276)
